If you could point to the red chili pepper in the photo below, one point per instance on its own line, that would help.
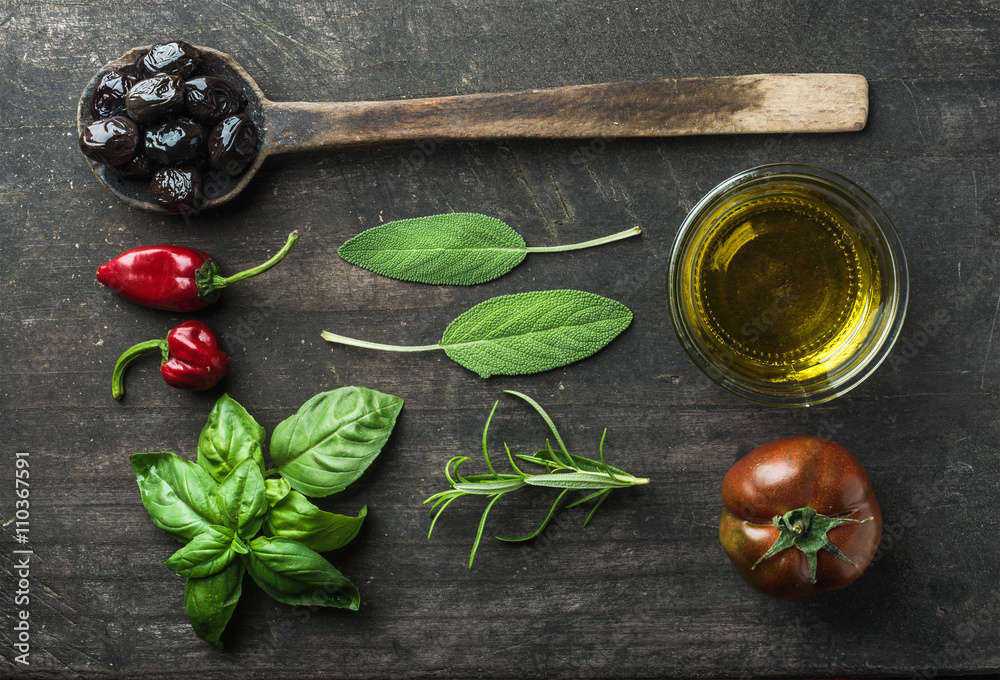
(192, 359)
(174, 278)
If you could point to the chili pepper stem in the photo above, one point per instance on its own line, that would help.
(130, 355)
(586, 244)
(219, 281)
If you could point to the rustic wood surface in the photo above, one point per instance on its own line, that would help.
(646, 590)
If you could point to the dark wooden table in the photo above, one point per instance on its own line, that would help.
(645, 590)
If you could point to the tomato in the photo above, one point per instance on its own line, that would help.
(791, 506)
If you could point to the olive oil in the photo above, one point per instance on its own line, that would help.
(783, 287)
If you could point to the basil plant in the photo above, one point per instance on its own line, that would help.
(236, 516)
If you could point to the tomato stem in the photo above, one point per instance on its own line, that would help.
(806, 529)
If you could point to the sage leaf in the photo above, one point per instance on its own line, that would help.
(206, 554)
(533, 332)
(242, 499)
(457, 248)
(524, 333)
(333, 438)
(177, 494)
(295, 517)
(229, 437)
(294, 574)
(210, 601)
(276, 489)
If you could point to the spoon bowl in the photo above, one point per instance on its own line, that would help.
(220, 187)
(765, 103)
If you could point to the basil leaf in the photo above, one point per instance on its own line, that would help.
(294, 574)
(276, 489)
(295, 517)
(206, 554)
(210, 601)
(176, 493)
(532, 332)
(229, 437)
(242, 500)
(459, 248)
(333, 438)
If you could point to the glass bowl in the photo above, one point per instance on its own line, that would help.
(787, 285)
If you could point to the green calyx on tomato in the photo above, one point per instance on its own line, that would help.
(801, 492)
(806, 530)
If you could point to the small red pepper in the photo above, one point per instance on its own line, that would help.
(192, 359)
(174, 278)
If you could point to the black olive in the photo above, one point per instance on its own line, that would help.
(232, 144)
(177, 58)
(155, 98)
(110, 140)
(209, 99)
(138, 167)
(177, 189)
(176, 141)
(109, 96)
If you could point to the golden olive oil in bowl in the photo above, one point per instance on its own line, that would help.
(787, 285)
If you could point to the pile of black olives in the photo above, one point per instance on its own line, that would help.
(168, 124)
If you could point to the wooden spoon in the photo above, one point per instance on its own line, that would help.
(769, 103)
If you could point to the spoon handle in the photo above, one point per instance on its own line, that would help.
(769, 103)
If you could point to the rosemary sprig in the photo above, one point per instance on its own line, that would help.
(563, 470)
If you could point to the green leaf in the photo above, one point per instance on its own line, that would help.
(549, 457)
(580, 480)
(295, 517)
(541, 527)
(333, 438)
(482, 525)
(602, 497)
(210, 601)
(545, 416)
(242, 500)
(563, 471)
(523, 333)
(206, 554)
(487, 485)
(459, 248)
(276, 489)
(533, 332)
(229, 437)
(294, 574)
(176, 493)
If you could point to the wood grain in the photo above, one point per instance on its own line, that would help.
(645, 591)
(766, 103)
